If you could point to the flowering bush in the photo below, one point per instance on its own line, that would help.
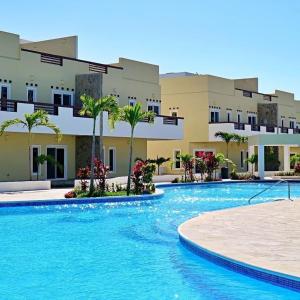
(100, 172)
(297, 168)
(142, 175)
(83, 174)
(211, 165)
(70, 194)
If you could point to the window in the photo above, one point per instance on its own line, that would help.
(4, 91)
(35, 152)
(239, 117)
(31, 94)
(62, 98)
(174, 113)
(214, 116)
(292, 124)
(112, 159)
(229, 116)
(58, 169)
(282, 122)
(154, 107)
(242, 159)
(176, 158)
(247, 94)
(251, 119)
(132, 102)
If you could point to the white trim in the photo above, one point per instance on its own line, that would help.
(31, 157)
(174, 159)
(34, 93)
(114, 159)
(62, 93)
(65, 147)
(8, 85)
(132, 102)
(153, 104)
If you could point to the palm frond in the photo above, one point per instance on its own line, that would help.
(6, 124)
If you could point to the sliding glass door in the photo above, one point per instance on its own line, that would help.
(56, 167)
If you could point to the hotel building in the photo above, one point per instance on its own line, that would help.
(210, 104)
(49, 75)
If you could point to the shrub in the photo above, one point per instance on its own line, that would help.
(100, 172)
(83, 174)
(70, 194)
(175, 180)
(297, 168)
(142, 176)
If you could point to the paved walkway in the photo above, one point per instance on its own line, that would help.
(264, 235)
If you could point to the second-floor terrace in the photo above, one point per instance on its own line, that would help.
(70, 122)
(246, 129)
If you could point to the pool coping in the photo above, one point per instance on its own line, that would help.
(276, 278)
(69, 201)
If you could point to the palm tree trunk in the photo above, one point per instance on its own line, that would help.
(29, 152)
(92, 159)
(227, 145)
(130, 162)
(101, 137)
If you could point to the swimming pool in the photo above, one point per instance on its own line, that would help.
(124, 250)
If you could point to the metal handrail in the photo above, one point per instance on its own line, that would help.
(269, 187)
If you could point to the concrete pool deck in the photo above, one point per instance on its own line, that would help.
(265, 235)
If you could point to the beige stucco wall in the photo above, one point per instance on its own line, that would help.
(14, 157)
(136, 79)
(65, 46)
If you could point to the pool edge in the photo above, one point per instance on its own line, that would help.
(269, 276)
(112, 199)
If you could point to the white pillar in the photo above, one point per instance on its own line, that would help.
(286, 158)
(250, 152)
(261, 161)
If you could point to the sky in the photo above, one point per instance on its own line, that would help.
(229, 38)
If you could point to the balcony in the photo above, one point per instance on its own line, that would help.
(69, 121)
(247, 129)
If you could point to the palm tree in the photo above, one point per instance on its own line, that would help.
(159, 161)
(252, 160)
(188, 164)
(109, 104)
(230, 137)
(133, 115)
(38, 118)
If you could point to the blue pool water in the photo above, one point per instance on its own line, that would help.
(123, 250)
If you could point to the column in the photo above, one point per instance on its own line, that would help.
(261, 161)
(286, 158)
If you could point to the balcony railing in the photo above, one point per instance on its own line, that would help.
(270, 128)
(296, 130)
(255, 127)
(284, 130)
(53, 109)
(239, 126)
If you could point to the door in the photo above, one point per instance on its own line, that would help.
(56, 169)
(4, 96)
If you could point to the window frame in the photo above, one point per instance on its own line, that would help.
(34, 89)
(114, 160)
(214, 112)
(8, 86)
(65, 147)
(176, 159)
(153, 105)
(131, 102)
(62, 93)
(31, 157)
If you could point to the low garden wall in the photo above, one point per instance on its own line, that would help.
(16, 186)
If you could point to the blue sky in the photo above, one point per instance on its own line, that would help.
(226, 38)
